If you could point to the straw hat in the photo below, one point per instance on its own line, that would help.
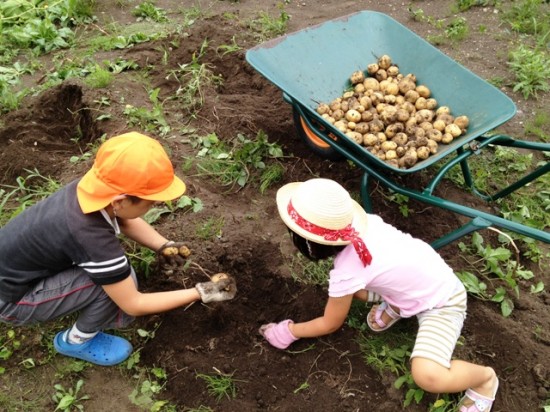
(131, 164)
(323, 203)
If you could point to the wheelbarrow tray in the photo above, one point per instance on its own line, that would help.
(313, 65)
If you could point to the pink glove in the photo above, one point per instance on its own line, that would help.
(278, 334)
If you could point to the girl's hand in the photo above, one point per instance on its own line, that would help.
(278, 334)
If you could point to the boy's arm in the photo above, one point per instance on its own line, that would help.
(336, 311)
(135, 303)
(142, 232)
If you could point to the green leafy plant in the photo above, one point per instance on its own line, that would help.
(99, 78)
(531, 68)
(220, 384)
(496, 267)
(268, 27)
(194, 77)
(69, 399)
(309, 272)
(147, 11)
(210, 228)
(8, 344)
(233, 163)
(149, 120)
(229, 48)
(184, 203)
(149, 388)
(26, 192)
(539, 126)
(529, 17)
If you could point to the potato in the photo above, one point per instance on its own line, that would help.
(423, 152)
(219, 276)
(371, 83)
(370, 139)
(392, 116)
(170, 251)
(381, 75)
(462, 121)
(392, 71)
(372, 68)
(384, 61)
(453, 129)
(357, 77)
(323, 108)
(353, 116)
(423, 91)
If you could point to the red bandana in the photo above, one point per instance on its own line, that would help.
(348, 233)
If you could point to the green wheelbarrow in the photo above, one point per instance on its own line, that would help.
(313, 65)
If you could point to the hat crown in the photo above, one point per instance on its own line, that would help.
(133, 164)
(324, 203)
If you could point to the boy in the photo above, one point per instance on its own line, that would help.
(62, 254)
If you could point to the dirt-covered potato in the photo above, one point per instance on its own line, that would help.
(393, 116)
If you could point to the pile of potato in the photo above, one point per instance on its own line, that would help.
(394, 118)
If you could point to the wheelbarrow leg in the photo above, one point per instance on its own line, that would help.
(365, 197)
(475, 224)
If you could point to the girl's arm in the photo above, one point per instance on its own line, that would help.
(336, 311)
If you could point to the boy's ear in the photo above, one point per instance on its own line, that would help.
(117, 200)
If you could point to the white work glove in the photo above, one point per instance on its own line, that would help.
(221, 287)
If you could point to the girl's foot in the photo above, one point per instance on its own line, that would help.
(480, 399)
(382, 317)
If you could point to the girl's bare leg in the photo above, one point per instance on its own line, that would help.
(462, 375)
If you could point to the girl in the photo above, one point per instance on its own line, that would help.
(375, 260)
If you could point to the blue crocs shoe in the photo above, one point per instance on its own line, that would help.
(103, 349)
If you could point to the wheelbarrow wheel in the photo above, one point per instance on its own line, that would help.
(314, 142)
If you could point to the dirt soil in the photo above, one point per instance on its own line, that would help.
(253, 244)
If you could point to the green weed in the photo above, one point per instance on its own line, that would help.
(309, 272)
(148, 120)
(494, 267)
(99, 78)
(69, 399)
(220, 385)
(539, 126)
(235, 162)
(152, 383)
(229, 48)
(26, 192)
(147, 11)
(499, 167)
(529, 17)
(531, 68)
(269, 27)
(211, 228)
(184, 203)
(465, 5)
(454, 31)
(193, 78)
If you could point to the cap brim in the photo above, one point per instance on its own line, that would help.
(94, 195)
(175, 190)
(284, 194)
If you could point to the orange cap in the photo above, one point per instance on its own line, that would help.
(131, 164)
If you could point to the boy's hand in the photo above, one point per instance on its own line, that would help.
(278, 334)
(172, 254)
(221, 287)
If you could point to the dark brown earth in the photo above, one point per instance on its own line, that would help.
(253, 245)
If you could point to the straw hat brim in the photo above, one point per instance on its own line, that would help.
(284, 194)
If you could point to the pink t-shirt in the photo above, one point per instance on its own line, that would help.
(407, 272)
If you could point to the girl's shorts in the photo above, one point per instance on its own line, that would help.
(439, 328)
